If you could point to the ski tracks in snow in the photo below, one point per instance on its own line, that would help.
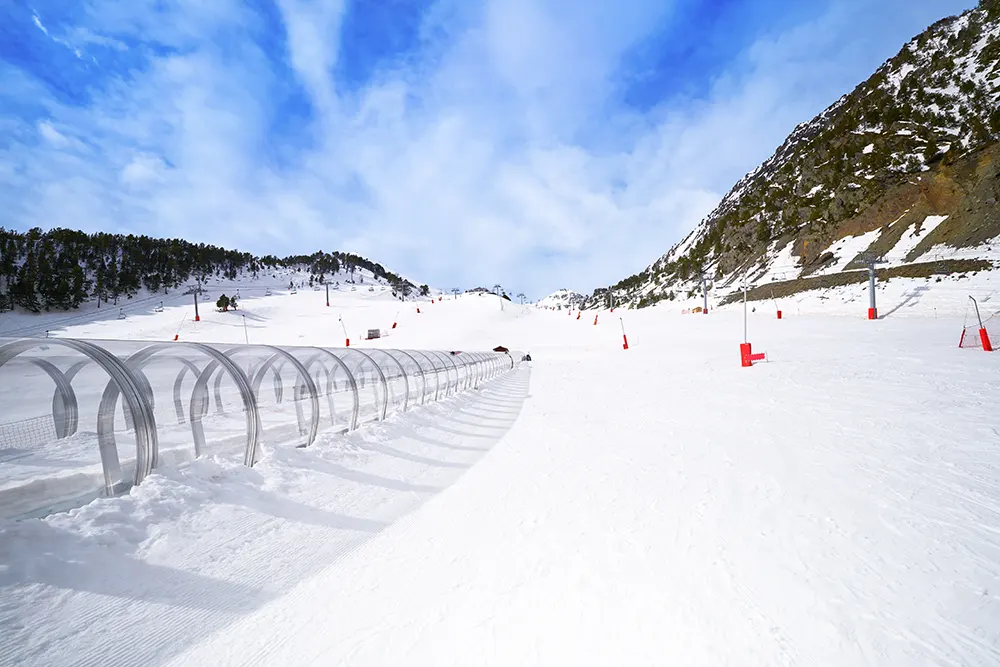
(139, 579)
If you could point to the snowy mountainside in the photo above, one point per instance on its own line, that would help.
(916, 142)
(64, 269)
(563, 298)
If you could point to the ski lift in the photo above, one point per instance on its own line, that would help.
(158, 309)
(267, 292)
(121, 313)
(353, 288)
(371, 289)
(294, 291)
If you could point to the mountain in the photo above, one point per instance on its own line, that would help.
(906, 167)
(563, 298)
(61, 269)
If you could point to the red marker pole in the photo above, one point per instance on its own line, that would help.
(344, 327)
(624, 337)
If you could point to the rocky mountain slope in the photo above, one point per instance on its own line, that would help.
(905, 167)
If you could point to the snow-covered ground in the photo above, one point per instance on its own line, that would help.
(837, 505)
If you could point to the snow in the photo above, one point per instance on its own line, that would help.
(911, 237)
(870, 148)
(846, 249)
(660, 505)
(783, 266)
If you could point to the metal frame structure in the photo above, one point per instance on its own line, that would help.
(151, 376)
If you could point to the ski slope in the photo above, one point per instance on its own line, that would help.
(837, 505)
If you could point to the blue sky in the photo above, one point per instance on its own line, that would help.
(536, 143)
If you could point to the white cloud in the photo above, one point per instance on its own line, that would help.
(143, 169)
(52, 135)
(38, 23)
(463, 167)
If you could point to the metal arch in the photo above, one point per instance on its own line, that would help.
(124, 381)
(449, 358)
(437, 375)
(178, 382)
(140, 359)
(402, 371)
(474, 369)
(465, 380)
(481, 366)
(356, 408)
(423, 372)
(316, 361)
(423, 379)
(251, 370)
(305, 384)
(65, 408)
(200, 395)
(443, 370)
(385, 384)
(487, 366)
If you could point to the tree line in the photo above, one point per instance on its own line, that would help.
(60, 269)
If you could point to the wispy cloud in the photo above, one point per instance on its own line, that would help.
(38, 23)
(478, 142)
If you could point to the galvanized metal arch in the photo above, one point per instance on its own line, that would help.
(278, 386)
(465, 367)
(385, 384)
(178, 383)
(439, 370)
(199, 399)
(420, 367)
(483, 362)
(437, 377)
(351, 381)
(306, 384)
(125, 383)
(402, 372)
(65, 409)
(448, 357)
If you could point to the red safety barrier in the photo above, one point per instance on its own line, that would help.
(624, 342)
(873, 313)
(779, 314)
(747, 357)
(348, 343)
(984, 336)
(595, 320)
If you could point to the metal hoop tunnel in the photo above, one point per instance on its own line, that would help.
(51, 389)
